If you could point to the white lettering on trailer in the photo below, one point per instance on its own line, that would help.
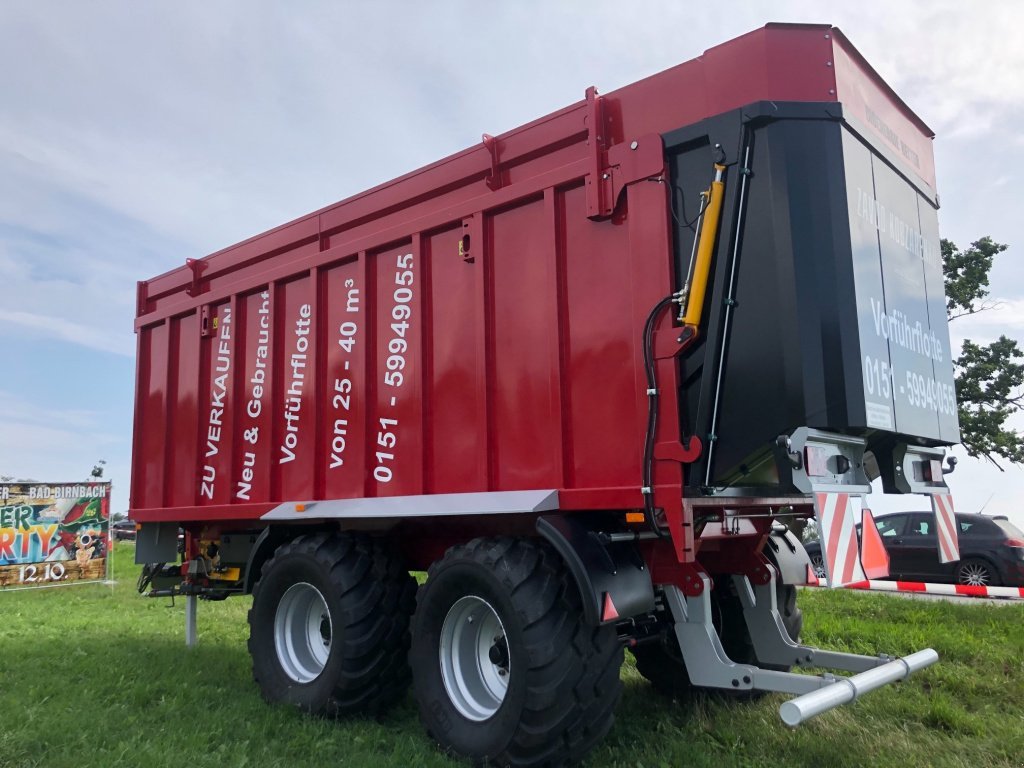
(341, 401)
(293, 397)
(905, 235)
(398, 346)
(895, 328)
(921, 391)
(222, 366)
(257, 388)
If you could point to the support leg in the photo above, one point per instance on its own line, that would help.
(190, 621)
(772, 644)
(708, 665)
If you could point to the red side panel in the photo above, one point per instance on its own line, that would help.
(784, 62)
(599, 314)
(293, 409)
(525, 380)
(394, 447)
(183, 427)
(345, 300)
(251, 478)
(873, 104)
(148, 451)
(455, 377)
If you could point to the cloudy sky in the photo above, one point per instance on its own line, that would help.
(135, 135)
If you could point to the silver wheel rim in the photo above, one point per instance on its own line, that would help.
(474, 658)
(975, 574)
(302, 632)
(819, 567)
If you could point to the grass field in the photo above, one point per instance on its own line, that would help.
(94, 676)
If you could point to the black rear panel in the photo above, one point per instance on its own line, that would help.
(837, 314)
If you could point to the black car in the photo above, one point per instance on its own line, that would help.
(123, 530)
(991, 550)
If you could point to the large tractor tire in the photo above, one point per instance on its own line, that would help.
(329, 626)
(661, 661)
(505, 670)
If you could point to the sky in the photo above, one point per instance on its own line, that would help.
(136, 135)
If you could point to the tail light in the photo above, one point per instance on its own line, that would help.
(1016, 543)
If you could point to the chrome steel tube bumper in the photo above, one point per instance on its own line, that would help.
(847, 689)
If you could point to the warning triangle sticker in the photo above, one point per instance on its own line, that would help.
(609, 611)
(873, 557)
(812, 577)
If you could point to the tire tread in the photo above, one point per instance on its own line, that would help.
(573, 683)
(376, 602)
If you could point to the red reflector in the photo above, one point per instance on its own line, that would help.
(609, 611)
(812, 577)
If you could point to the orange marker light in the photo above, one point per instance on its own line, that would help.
(300, 507)
(634, 517)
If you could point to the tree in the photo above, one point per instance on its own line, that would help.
(989, 379)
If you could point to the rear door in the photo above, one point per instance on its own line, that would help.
(919, 550)
(891, 528)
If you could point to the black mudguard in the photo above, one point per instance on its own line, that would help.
(788, 555)
(603, 572)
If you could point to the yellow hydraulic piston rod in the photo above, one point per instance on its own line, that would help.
(706, 245)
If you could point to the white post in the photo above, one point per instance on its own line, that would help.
(190, 621)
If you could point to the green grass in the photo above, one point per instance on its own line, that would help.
(94, 676)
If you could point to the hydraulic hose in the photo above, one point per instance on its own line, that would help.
(647, 488)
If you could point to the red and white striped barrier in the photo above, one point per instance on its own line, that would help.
(962, 590)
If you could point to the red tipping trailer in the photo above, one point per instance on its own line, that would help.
(578, 372)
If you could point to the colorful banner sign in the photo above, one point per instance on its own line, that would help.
(53, 534)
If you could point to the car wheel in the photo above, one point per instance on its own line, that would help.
(505, 669)
(818, 564)
(329, 626)
(976, 573)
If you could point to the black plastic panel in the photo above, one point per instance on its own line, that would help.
(838, 321)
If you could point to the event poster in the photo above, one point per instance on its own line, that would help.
(53, 534)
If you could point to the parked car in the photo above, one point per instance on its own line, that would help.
(991, 550)
(123, 530)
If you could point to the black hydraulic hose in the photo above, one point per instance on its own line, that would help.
(647, 488)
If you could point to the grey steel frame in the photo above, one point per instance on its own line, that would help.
(709, 666)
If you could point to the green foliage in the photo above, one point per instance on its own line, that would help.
(966, 274)
(988, 381)
(988, 378)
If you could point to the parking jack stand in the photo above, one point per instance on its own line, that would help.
(191, 602)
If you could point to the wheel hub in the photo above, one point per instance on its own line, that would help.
(302, 632)
(974, 575)
(474, 656)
